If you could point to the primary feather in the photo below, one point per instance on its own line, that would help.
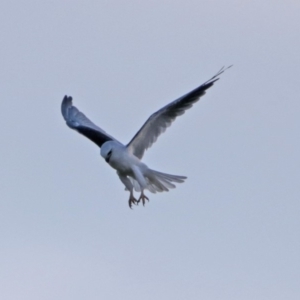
(158, 122)
(76, 120)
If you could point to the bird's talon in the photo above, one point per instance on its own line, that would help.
(143, 197)
(131, 201)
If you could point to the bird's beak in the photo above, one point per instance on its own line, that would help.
(108, 158)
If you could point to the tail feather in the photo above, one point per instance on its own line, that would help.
(158, 184)
(169, 177)
(162, 181)
(158, 181)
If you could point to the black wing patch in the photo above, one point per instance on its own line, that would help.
(76, 120)
(96, 136)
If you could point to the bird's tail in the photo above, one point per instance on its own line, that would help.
(158, 181)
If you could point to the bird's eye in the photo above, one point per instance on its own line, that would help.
(109, 153)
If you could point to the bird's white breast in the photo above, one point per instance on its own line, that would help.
(122, 160)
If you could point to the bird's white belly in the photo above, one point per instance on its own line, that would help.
(123, 161)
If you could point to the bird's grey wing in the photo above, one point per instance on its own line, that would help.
(78, 121)
(158, 122)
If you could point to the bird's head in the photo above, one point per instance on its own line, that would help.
(106, 150)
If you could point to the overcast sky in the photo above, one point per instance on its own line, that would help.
(231, 231)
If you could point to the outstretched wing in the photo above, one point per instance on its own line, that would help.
(158, 122)
(78, 121)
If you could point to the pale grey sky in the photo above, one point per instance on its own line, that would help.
(231, 231)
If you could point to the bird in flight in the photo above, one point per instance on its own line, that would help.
(126, 159)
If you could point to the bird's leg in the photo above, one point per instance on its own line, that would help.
(132, 200)
(143, 197)
(140, 178)
(129, 187)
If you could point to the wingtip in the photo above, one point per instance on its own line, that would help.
(222, 70)
(66, 103)
(215, 78)
(67, 98)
